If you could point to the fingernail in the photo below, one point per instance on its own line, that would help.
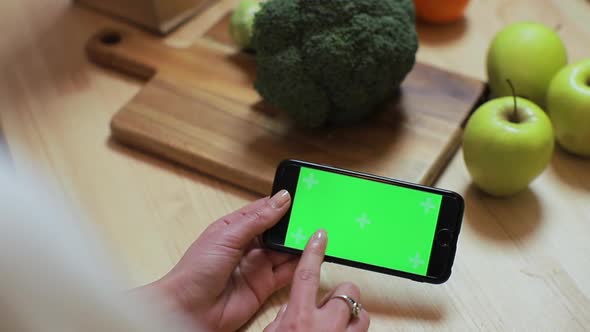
(319, 236)
(280, 199)
(281, 311)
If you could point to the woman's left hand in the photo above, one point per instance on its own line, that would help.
(226, 276)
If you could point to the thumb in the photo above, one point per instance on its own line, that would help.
(244, 225)
(221, 246)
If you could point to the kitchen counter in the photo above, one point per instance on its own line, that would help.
(522, 264)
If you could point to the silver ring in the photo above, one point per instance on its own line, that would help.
(355, 307)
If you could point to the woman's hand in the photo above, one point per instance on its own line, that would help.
(303, 313)
(226, 276)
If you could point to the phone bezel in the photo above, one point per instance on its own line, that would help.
(450, 218)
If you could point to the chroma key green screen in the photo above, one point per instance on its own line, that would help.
(366, 221)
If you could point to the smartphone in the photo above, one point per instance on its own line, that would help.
(373, 223)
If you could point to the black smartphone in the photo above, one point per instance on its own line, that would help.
(373, 223)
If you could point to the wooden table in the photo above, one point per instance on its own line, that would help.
(523, 263)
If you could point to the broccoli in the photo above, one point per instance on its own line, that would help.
(332, 61)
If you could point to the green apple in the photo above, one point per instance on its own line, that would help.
(528, 54)
(568, 106)
(504, 150)
(241, 22)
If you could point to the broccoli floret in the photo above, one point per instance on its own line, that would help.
(332, 61)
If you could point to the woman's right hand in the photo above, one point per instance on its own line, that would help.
(303, 313)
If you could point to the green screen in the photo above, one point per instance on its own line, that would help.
(366, 221)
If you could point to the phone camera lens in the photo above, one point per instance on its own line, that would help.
(444, 237)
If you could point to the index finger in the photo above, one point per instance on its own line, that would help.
(306, 281)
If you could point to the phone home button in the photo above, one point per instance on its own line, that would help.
(444, 237)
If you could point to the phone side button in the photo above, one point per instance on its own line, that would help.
(444, 237)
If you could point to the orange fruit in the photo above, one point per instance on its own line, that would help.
(440, 11)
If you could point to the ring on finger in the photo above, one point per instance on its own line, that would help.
(354, 306)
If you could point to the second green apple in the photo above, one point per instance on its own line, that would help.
(528, 54)
(568, 106)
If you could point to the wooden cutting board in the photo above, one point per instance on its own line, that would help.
(199, 108)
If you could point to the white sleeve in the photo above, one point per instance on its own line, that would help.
(52, 274)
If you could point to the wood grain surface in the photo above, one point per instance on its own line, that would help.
(522, 263)
(199, 108)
